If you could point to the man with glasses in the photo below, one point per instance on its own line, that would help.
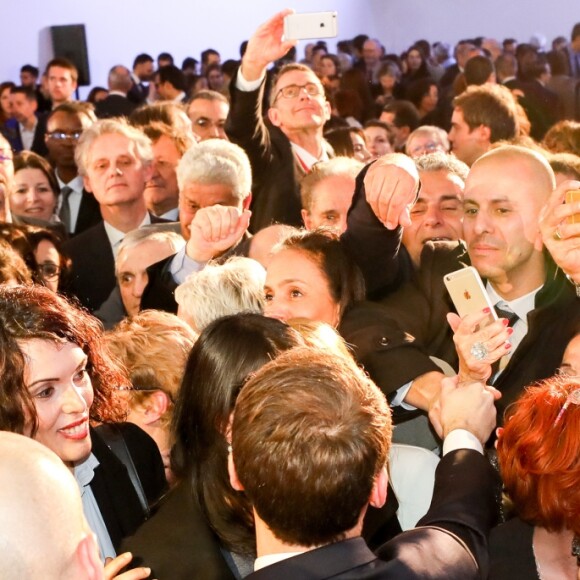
(77, 207)
(283, 149)
(208, 111)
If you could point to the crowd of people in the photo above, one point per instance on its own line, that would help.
(226, 345)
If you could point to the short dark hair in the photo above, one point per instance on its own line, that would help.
(172, 75)
(66, 64)
(478, 69)
(575, 31)
(189, 62)
(406, 114)
(28, 68)
(28, 92)
(142, 59)
(492, 106)
(310, 434)
(165, 56)
(74, 108)
(207, 53)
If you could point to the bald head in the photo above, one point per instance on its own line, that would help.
(43, 532)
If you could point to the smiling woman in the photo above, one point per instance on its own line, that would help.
(56, 380)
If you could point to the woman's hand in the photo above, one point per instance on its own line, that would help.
(493, 338)
(113, 567)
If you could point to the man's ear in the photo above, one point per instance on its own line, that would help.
(484, 133)
(234, 480)
(87, 557)
(327, 110)
(246, 203)
(379, 492)
(155, 406)
(274, 116)
(306, 219)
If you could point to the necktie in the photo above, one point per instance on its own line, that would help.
(512, 318)
(64, 213)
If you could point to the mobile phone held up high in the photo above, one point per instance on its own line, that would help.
(310, 25)
(468, 293)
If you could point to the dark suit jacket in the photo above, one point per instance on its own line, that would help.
(14, 136)
(276, 174)
(114, 106)
(115, 495)
(160, 289)
(93, 265)
(89, 213)
(449, 543)
(419, 306)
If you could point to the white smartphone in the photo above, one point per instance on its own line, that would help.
(310, 25)
(468, 293)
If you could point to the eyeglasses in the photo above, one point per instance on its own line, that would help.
(5, 157)
(430, 147)
(61, 136)
(292, 91)
(48, 270)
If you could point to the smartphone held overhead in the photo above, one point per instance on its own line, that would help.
(310, 25)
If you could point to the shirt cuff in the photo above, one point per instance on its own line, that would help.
(182, 266)
(461, 439)
(399, 399)
(248, 86)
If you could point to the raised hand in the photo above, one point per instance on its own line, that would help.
(560, 237)
(113, 567)
(493, 338)
(214, 230)
(266, 46)
(391, 188)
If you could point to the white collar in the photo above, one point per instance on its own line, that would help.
(85, 471)
(75, 184)
(307, 158)
(116, 236)
(522, 306)
(270, 559)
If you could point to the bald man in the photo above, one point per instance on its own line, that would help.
(505, 192)
(43, 531)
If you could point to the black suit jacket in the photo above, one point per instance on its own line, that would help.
(449, 543)
(115, 495)
(89, 213)
(276, 174)
(93, 265)
(114, 106)
(160, 289)
(14, 136)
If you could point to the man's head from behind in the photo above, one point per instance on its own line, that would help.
(208, 111)
(43, 532)
(311, 435)
(213, 172)
(327, 191)
(119, 79)
(482, 115)
(171, 82)
(62, 76)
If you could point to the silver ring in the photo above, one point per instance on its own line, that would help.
(479, 351)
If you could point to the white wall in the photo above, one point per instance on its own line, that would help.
(117, 30)
(400, 22)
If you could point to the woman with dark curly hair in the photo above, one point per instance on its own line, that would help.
(539, 459)
(57, 380)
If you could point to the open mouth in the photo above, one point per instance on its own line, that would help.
(76, 430)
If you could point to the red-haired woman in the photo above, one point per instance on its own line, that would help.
(539, 459)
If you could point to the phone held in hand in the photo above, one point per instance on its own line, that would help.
(468, 293)
(310, 25)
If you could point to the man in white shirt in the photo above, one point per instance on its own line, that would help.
(114, 160)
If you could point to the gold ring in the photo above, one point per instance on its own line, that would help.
(557, 235)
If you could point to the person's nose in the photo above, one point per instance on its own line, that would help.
(74, 401)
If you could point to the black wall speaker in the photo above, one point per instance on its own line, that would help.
(70, 42)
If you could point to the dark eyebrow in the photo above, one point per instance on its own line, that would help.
(83, 363)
